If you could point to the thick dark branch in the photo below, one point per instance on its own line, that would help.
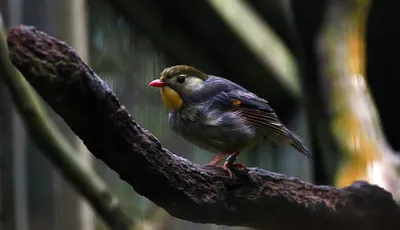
(186, 190)
(60, 153)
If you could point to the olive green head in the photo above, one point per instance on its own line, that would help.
(178, 83)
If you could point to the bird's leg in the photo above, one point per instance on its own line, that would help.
(218, 158)
(232, 158)
(229, 163)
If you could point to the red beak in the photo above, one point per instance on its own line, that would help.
(156, 83)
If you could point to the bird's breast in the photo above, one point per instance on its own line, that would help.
(171, 98)
(212, 130)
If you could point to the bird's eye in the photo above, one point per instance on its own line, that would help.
(180, 79)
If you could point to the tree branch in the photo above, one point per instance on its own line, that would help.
(56, 148)
(202, 194)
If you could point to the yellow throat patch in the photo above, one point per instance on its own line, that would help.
(171, 98)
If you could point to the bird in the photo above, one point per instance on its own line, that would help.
(220, 116)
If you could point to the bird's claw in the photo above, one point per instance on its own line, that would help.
(241, 166)
(227, 167)
(228, 163)
(224, 167)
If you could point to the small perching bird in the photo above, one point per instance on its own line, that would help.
(220, 116)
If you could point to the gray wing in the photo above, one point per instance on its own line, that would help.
(212, 87)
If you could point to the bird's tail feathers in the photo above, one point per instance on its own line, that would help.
(298, 144)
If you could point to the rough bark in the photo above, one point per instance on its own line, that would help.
(56, 148)
(186, 190)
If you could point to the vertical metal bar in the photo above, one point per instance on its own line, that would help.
(40, 173)
(18, 142)
(6, 162)
(19, 171)
(71, 27)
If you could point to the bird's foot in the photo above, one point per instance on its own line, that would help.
(228, 163)
(227, 167)
(241, 166)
